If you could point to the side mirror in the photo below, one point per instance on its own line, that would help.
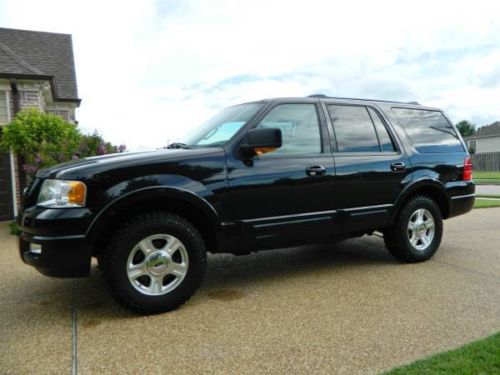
(261, 140)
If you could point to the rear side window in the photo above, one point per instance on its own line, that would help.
(358, 130)
(429, 131)
(385, 140)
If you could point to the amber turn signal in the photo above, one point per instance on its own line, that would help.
(77, 192)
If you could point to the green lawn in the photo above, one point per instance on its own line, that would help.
(479, 357)
(485, 203)
(482, 178)
(488, 175)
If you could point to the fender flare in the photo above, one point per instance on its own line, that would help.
(411, 188)
(108, 213)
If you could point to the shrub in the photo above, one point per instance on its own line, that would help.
(42, 140)
(93, 144)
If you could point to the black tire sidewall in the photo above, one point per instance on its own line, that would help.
(420, 202)
(132, 235)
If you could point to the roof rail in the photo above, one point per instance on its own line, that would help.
(368, 100)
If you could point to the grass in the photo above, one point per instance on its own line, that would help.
(14, 229)
(486, 203)
(487, 175)
(486, 178)
(486, 182)
(479, 357)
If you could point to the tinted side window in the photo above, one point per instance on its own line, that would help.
(354, 129)
(299, 127)
(383, 135)
(429, 131)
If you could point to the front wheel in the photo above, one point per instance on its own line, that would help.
(417, 231)
(155, 262)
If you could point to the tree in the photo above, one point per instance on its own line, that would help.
(42, 140)
(466, 128)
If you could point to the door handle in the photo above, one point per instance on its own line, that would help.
(398, 166)
(315, 170)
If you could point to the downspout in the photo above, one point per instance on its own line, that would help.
(20, 159)
(15, 95)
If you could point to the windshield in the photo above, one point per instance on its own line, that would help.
(221, 128)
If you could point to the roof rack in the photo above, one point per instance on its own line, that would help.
(368, 100)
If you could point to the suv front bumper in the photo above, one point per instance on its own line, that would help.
(62, 254)
(56, 256)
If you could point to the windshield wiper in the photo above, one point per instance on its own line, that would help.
(178, 145)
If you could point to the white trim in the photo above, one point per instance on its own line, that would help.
(289, 216)
(464, 196)
(13, 181)
(7, 101)
(368, 207)
(12, 168)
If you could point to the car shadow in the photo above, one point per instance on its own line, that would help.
(228, 274)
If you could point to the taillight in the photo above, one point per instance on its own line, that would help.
(467, 175)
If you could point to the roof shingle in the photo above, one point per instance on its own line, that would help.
(33, 53)
(487, 131)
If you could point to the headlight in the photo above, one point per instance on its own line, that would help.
(62, 193)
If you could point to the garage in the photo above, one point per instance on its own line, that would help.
(5, 188)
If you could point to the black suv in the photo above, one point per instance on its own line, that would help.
(260, 175)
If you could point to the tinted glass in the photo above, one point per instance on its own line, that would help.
(383, 135)
(354, 129)
(221, 128)
(299, 127)
(429, 131)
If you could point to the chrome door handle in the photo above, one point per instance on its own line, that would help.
(398, 166)
(315, 170)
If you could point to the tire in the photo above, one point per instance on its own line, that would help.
(413, 238)
(154, 263)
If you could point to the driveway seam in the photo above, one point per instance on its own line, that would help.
(74, 331)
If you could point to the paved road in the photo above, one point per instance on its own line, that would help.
(345, 308)
(488, 190)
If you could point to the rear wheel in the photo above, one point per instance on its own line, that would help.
(155, 262)
(417, 231)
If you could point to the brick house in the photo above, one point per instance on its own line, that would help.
(37, 69)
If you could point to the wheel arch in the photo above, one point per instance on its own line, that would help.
(434, 189)
(182, 202)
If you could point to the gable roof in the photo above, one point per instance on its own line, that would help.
(40, 55)
(492, 130)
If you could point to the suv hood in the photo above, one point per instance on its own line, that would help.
(82, 168)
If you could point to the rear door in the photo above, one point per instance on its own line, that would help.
(370, 166)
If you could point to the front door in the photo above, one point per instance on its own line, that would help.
(287, 194)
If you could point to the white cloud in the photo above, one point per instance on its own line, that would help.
(150, 70)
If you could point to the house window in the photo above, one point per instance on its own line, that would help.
(4, 116)
(472, 145)
(64, 113)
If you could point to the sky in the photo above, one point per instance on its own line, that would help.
(150, 71)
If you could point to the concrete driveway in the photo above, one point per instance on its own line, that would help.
(344, 308)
